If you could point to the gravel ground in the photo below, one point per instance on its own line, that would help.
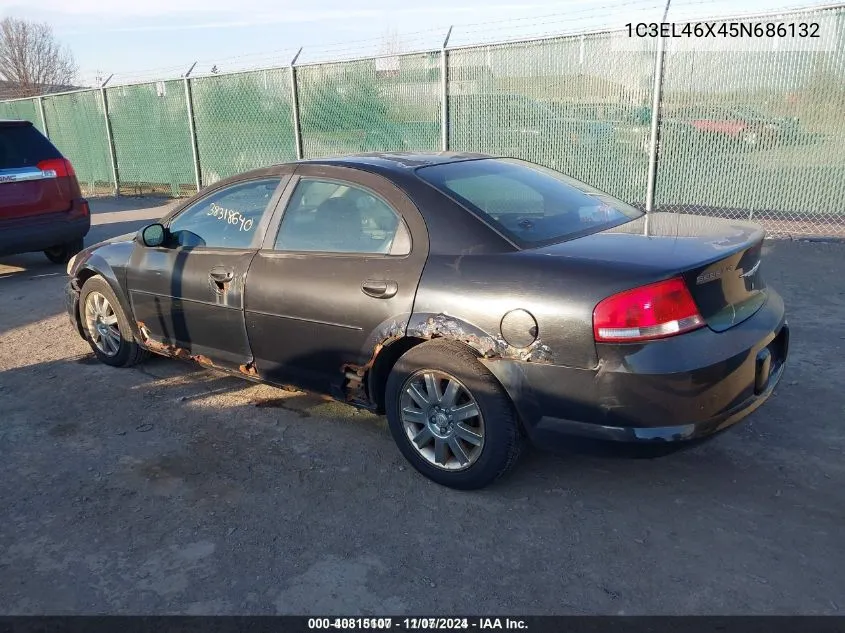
(169, 489)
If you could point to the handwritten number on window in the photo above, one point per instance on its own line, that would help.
(230, 216)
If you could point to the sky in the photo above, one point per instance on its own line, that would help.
(141, 40)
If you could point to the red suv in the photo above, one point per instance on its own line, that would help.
(41, 205)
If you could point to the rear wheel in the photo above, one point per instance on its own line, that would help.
(106, 327)
(62, 253)
(450, 417)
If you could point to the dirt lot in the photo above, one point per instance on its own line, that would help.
(169, 489)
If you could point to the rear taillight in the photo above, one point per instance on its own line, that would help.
(79, 208)
(60, 167)
(654, 311)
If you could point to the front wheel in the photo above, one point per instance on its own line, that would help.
(450, 417)
(106, 327)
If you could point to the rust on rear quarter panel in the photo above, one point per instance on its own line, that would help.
(435, 326)
(355, 374)
(490, 347)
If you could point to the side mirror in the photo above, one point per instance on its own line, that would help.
(153, 235)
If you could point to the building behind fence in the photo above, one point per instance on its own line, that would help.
(746, 129)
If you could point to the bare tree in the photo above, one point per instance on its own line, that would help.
(389, 50)
(391, 43)
(31, 58)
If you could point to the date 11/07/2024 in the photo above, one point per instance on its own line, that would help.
(417, 624)
(725, 29)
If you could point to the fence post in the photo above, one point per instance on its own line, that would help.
(444, 93)
(43, 118)
(654, 140)
(110, 139)
(294, 102)
(189, 100)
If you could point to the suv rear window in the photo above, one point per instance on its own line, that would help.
(23, 146)
(529, 204)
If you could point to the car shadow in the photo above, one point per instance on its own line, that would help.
(181, 397)
(269, 483)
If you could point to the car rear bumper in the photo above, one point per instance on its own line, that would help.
(682, 388)
(37, 233)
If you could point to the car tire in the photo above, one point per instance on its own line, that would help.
(114, 345)
(497, 425)
(62, 253)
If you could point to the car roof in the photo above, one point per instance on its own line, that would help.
(14, 122)
(397, 161)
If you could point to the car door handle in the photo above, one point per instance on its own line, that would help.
(221, 274)
(380, 289)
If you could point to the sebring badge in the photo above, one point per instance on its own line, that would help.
(713, 275)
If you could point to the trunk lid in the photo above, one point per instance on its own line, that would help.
(731, 289)
(720, 260)
(26, 190)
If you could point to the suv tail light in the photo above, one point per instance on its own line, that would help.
(649, 312)
(79, 208)
(61, 167)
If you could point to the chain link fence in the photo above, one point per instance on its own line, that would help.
(382, 104)
(243, 121)
(752, 131)
(152, 138)
(570, 103)
(77, 126)
(746, 127)
(26, 109)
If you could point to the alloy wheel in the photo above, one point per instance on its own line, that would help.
(442, 420)
(101, 322)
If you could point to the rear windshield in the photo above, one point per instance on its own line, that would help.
(531, 205)
(23, 146)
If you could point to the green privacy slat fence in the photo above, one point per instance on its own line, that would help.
(77, 126)
(751, 130)
(152, 136)
(370, 105)
(748, 127)
(243, 121)
(570, 104)
(25, 109)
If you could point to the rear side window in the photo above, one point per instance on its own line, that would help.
(24, 146)
(333, 216)
(531, 205)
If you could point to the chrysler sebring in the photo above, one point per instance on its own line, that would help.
(478, 302)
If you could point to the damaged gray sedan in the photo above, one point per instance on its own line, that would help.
(478, 302)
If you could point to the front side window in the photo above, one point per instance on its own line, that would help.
(529, 204)
(228, 218)
(338, 217)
